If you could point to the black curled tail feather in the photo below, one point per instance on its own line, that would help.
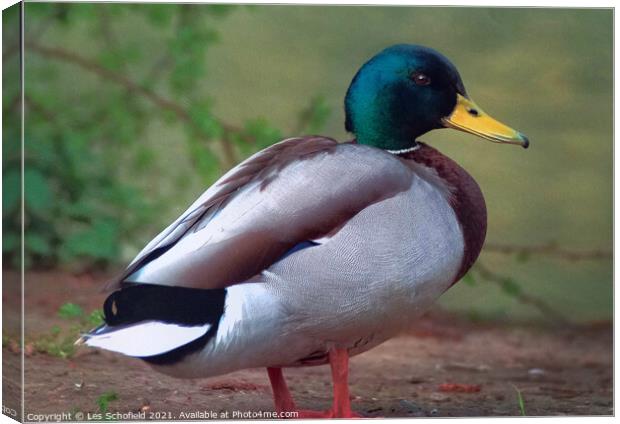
(173, 305)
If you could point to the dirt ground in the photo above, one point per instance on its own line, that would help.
(445, 366)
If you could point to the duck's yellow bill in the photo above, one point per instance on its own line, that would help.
(468, 117)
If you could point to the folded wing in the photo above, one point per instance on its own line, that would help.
(297, 190)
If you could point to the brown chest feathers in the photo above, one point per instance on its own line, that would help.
(466, 200)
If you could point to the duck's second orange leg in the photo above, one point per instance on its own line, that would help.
(284, 401)
(281, 395)
(339, 363)
(341, 406)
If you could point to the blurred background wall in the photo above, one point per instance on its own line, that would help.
(133, 110)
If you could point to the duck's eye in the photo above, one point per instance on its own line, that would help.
(420, 79)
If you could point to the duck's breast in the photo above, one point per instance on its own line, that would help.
(386, 266)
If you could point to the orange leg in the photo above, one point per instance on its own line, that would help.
(341, 406)
(281, 395)
(284, 401)
(339, 363)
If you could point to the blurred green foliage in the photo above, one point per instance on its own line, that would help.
(60, 341)
(83, 153)
(70, 310)
(103, 401)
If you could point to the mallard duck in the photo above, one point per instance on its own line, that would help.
(312, 251)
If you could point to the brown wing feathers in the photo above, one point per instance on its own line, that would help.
(273, 158)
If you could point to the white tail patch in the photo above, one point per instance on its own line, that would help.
(145, 339)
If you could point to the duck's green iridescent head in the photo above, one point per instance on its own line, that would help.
(408, 90)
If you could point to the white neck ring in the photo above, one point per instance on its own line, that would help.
(410, 149)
